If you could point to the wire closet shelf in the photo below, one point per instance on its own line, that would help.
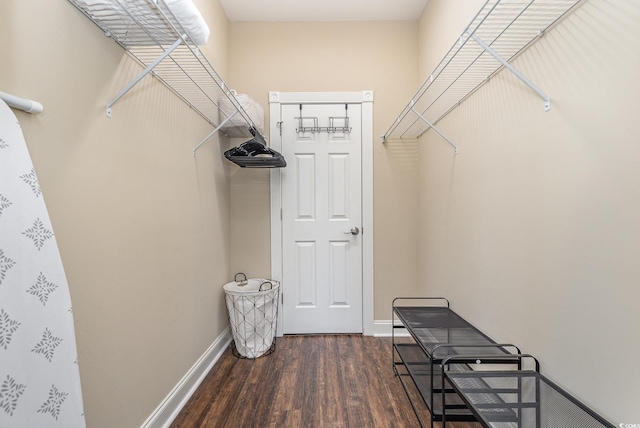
(499, 32)
(150, 32)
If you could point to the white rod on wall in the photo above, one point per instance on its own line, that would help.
(23, 104)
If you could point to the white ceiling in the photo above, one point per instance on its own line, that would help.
(323, 10)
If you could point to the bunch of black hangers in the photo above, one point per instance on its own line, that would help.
(255, 154)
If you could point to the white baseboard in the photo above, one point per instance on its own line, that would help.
(382, 328)
(170, 407)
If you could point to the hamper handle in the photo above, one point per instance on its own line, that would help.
(266, 282)
(235, 278)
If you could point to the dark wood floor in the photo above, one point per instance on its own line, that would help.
(309, 381)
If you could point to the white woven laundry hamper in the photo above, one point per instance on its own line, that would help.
(253, 314)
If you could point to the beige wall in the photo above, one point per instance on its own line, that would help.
(338, 56)
(142, 226)
(532, 230)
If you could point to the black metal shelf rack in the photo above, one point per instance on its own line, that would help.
(437, 333)
(518, 398)
(440, 358)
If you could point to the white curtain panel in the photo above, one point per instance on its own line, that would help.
(39, 375)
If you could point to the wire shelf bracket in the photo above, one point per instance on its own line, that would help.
(512, 69)
(146, 71)
(432, 126)
(217, 128)
(500, 31)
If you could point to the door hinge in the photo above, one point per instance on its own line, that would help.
(279, 125)
(280, 214)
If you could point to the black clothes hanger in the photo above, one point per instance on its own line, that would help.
(255, 154)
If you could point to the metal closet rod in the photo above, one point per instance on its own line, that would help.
(23, 104)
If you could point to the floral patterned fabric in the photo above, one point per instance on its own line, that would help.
(39, 376)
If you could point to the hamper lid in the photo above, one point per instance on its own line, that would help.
(252, 286)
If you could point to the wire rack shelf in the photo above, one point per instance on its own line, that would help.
(500, 31)
(150, 32)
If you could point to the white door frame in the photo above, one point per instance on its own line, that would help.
(365, 98)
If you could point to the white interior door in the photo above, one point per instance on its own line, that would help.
(321, 219)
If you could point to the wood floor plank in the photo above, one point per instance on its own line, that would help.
(319, 381)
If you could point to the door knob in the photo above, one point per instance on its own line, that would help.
(353, 231)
